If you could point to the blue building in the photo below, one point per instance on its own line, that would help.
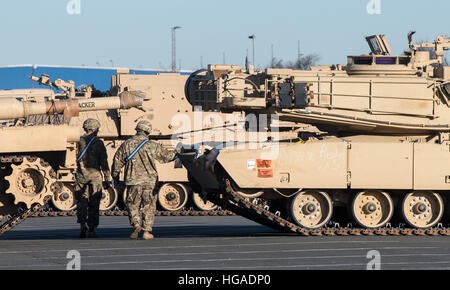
(16, 76)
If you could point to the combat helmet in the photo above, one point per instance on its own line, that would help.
(91, 124)
(145, 126)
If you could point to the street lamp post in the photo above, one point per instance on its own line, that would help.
(174, 48)
(33, 70)
(252, 37)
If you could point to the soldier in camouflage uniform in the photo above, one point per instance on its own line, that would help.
(92, 175)
(138, 154)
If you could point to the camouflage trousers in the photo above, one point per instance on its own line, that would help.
(88, 203)
(141, 204)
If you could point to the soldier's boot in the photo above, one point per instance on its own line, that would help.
(83, 231)
(147, 236)
(135, 234)
(92, 233)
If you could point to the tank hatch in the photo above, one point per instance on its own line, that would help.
(379, 45)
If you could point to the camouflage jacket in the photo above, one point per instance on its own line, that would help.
(93, 163)
(141, 169)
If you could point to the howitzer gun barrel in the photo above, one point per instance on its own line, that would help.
(11, 108)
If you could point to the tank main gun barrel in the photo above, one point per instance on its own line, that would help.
(11, 108)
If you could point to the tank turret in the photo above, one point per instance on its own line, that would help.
(376, 92)
(37, 161)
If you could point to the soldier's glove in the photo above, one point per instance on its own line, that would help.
(116, 182)
(179, 149)
(106, 185)
(178, 163)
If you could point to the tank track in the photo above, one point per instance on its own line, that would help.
(264, 216)
(16, 219)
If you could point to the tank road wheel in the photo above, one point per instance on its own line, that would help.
(172, 196)
(311, 209)
(31, 181)
(200, 204)
(422, 209)
(64, 200)
(109, 199)
(372, 208)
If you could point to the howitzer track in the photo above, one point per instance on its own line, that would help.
(38, 210)
(20, 216)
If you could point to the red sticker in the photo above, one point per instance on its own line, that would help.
(261, 163)
(265, 173)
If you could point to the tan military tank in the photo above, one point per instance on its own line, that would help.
(380, 164)
(34, 160)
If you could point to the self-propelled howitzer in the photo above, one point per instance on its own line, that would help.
(33, 159)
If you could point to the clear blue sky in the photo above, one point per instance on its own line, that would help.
(136, 33)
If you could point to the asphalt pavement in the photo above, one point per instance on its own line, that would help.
(210, 242)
